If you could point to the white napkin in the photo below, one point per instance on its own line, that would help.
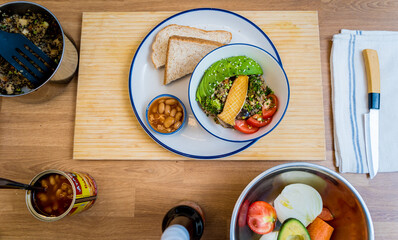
(350, 98)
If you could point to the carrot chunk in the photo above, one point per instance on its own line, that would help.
(326, 215)
(320, 230)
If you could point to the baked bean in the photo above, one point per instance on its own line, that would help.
(171, 101)
(173, 112)
(154, 110)
(161, 118)
(64, 186)
(62, 195)
(55, 206)
(48, 209)
(179, 109)
(169, 121)
(43, 197)
(69, 191)
(151, 118)
(52, 180)
(177, 125)
(161, 108)
(167, 109)
(161, 100)
(58, 193)
(44, 183)
(178, 116)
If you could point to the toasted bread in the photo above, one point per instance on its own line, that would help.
(183, 54)
(159, 45)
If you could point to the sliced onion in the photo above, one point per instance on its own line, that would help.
(298, 201)
(270, 236)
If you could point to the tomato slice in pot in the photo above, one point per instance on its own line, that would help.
(258, 121)
(269, 110)
(242, 126)
(243, 213)
(261, 217)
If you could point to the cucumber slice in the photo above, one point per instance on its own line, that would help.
(293, 229)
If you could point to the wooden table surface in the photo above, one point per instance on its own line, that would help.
(134, 195)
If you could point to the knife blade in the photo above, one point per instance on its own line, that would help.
(372, 119)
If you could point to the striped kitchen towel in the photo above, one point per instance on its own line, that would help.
(350, 98)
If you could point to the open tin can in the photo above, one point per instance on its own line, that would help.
(84, 194)
(66, 68)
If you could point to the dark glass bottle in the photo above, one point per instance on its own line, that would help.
(185, 219)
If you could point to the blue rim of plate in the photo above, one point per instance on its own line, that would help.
(131, 96)
(288, 93)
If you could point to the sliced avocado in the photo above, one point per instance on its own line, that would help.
(209, 77)
(222, 69)
(293, 229)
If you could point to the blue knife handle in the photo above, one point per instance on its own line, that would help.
(374, 100)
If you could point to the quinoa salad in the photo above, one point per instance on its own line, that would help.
(233, 92)
(255, 100)
(43, 33)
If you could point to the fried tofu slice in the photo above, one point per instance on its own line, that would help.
(235, 100)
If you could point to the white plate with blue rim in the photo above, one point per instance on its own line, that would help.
(146, 82)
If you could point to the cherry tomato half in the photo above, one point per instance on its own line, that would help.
(269, 111)
(258, 121)
(243, 213)
(261, 217)
(242, 126)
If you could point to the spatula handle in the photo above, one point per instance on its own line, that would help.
(9, 184)
(373, 74)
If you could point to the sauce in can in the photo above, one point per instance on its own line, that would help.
(67, 193)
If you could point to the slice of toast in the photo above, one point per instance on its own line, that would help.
(183, 54)
(159, 45)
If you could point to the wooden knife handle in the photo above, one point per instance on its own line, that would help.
(372, 70)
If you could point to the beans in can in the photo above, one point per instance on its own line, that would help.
(66, 193)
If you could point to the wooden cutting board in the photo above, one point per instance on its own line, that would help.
(106, 127)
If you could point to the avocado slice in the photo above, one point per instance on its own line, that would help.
(222, 69)
(293, 229)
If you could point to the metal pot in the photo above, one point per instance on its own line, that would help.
(66, 67)
(352, 218)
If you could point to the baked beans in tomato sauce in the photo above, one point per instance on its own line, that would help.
(166, 114)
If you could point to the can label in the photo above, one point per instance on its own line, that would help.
(85, 187)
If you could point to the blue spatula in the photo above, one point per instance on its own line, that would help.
(11, 42)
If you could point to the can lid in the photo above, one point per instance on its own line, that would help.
(175, 232)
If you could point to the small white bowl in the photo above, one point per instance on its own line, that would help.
(274, 76)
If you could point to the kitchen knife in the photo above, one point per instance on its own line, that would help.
(372, 118)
